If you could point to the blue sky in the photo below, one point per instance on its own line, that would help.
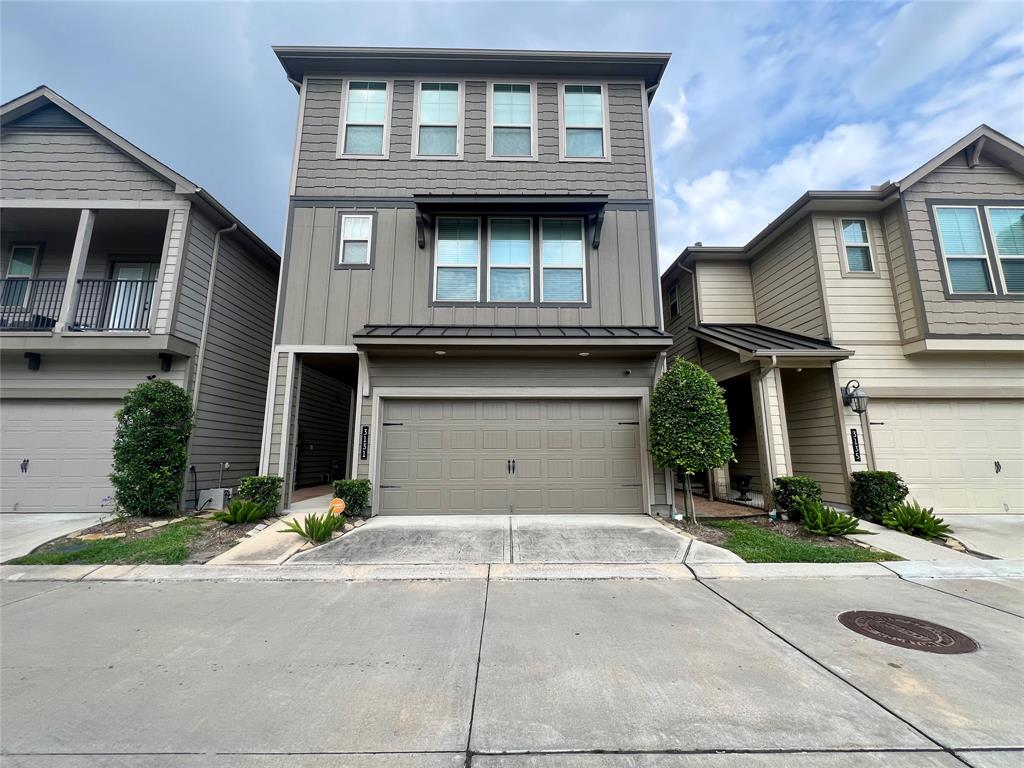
(760, 102)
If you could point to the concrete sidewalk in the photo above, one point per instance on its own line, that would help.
(21, 533)
(509, 666)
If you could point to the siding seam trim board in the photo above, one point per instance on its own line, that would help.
(286, 416)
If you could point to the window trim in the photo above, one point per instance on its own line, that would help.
(460, 121)
(437, 261)
(673, 301)
(985, 256)
(36, 250)
(995, 246)
(491, 123)
(606, 133)
(540, 261)
(339, 231)
(530, 266)
(343, 123)
(844, 258)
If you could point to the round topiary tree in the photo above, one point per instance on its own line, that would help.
(151, 448)
(689, 423)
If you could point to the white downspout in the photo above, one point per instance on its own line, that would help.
(766, 427)
(201, 354)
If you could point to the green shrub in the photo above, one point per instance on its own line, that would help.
(916, 520)
(355, 494)
(874, 493)
(150, 449)
(315, 528)
(241, 511)
(263, 489)
(787, 490)
(825, 521)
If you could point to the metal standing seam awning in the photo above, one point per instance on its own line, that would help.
(753, 340)
(505, 335)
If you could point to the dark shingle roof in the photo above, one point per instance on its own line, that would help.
(756, 339)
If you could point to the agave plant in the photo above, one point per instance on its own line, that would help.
(241, 511)
(916, 520)
(315, 528)
(825, 521)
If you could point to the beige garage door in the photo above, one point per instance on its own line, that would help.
(955, 455)
(510, 456)
(55, 454)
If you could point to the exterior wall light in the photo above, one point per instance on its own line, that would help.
(855, 397)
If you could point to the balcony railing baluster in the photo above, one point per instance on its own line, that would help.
(30, 305)
(113, 305)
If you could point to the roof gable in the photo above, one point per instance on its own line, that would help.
(47, 116)
(982, 141)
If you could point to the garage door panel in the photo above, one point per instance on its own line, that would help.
(947, 451)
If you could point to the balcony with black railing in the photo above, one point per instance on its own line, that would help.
(30, 304)
(113, 305)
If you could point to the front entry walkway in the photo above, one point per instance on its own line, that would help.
(567, 539)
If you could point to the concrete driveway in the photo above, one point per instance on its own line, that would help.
(498, 667)
(999, 536)
(21, 533)
(506, 539)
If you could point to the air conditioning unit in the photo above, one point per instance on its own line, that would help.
(214, 498)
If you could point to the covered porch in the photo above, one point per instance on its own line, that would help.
(784, 407)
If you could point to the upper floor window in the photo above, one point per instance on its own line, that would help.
(438, 120)
(510, 260)
(963, 249)
(673, 301)
(857, 245)
(561, 260)
(364, 124)
(583, 122)
(512, 120)
(457, 260)
(19, 271)
(356, 236)
(1007, 227)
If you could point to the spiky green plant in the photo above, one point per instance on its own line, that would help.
(315, 528)
(824, 521)
(916, 520)
(241, 511)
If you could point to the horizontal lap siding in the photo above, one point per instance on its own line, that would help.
(110, 376)
(952, 181)
(74, 165)
(233, 387)
(721, 363)
(684, 341)
(724, 292)
(320, 173)
(194, 278)
(813, 433)
(902, 274)
(786, 288)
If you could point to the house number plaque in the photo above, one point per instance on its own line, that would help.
(855, 442)
(364, 442)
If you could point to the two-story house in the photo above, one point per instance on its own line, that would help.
(115, 269)
(469, 313)
(915, 291)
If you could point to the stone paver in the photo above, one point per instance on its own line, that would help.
(907, 547)
(999, 536)
(961, 701)
(21, 533)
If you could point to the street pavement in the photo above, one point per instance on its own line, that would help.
(505, 667)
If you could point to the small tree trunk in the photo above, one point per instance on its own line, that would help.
(689, 499)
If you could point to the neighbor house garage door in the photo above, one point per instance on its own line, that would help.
(64, 448)
(502, 456)
(955, 455)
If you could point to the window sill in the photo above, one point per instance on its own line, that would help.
(513, 158)
(361, 157)
(584, 159)
(446, 158)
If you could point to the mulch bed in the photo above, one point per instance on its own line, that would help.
(718, 536)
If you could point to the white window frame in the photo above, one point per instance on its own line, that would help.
(540, 259)
(845, 259)
(343, 121)
(995, 246)
(945, 259)
(30, 278)
(459, 122)
(606, 134)
(342, 240)
(491, 266)
(492, 123)
(439, 265)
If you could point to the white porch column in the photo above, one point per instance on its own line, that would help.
(79, 256)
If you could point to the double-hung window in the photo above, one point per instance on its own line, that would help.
(19, 274)
(1007, 227)
(438, 123)
(857, 246)
(673, 301)
(562, 260)
(963, 248)
(457, 260)
(583, 122)
(510, 260)
(364, 131)
(356, 236)
(512, 129)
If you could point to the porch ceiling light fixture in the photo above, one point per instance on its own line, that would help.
(855, 397)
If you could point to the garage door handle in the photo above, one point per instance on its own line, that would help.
(999, 467)
(513, 466)
(637, 423)
(508, 466)
(631, 485)
(393, 424)
(388, 486)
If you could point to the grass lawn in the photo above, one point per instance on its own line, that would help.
(168, 546)
(756, 545)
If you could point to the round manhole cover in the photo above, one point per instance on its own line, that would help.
(907, 632)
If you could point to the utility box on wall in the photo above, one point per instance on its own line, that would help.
(214, 498)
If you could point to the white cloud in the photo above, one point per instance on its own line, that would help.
(680, 120)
